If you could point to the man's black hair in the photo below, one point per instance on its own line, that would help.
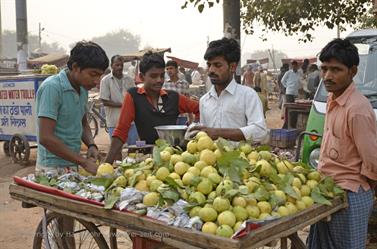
(294, 63)
(171, 63)
(115, 58)
(150, 60)
(341, 50)
(88, 55)
(229, 48)
(258, 89)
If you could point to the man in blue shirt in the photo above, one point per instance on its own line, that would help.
(61, 110)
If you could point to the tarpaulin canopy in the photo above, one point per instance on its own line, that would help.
(57, 59)
(137, 55)
(184, 63)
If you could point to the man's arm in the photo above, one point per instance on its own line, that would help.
(111, 103)
(215, 133)
(364, 132)
(115, 150)
(187, 105)
(53, 144)
(284, 79)
(87, 138)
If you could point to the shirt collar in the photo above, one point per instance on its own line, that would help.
(65, 81)
(141, 90)
(342, 99)
(231, 88)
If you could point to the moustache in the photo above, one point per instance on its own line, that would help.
(329, 82)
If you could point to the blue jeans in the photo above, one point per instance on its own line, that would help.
(181, 120)
(132, 134)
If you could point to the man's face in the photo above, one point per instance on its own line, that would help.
(153, 79)
(171, 71)
(117, 68)
(337, 76)
(88, 77)
(219, 71)
(295, 67)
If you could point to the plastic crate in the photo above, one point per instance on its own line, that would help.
(283, 138)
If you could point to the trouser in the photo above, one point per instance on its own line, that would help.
(289, 98)
(132, 134)
(347, 228)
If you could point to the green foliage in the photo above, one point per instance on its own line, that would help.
(368, 20)
(230, 164)
(295, 16)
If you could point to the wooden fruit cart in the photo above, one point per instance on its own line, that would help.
(173, 236)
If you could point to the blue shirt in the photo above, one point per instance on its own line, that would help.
(291, 81)
(58, 100)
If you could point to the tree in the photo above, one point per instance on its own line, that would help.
(118, 42)
(295, 16)
(368, 20)
(10, 47)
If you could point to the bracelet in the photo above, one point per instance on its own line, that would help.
(92, 145)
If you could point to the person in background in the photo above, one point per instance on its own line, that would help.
(131, 70)
(178, 85)
(291, 82)
(186, 73)
(248, 77)
(282, 89)
(348, 150)
(149, 106)
(263, 99)
(229, 110)
(263, 82)
(196, 76)
(313, 80)
(113, 88)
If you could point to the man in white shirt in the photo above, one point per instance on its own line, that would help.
(113, 88)
(229, 110)
(291, 82)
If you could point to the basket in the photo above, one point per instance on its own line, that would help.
(283, 138)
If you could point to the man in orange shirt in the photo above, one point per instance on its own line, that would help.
(348, 150)
(149, 106)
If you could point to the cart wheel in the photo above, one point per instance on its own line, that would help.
(83, 235)
(19, 149)
(93, 124)
(6, 148)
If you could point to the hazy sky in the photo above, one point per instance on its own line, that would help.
(159, 23)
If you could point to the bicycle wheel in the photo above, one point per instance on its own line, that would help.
(93, 124)
(84, 235)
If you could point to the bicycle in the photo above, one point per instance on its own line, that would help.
(94, 114)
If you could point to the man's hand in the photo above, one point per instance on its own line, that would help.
(92, 153)
(211, 132)
(90, 165)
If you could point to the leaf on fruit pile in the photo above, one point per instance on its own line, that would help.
(304, 165)
(156, 156)
(288, 189)
(170, 195)
(224, 145)
(319, 198)
(161, 143)
(101, 181)
(42, 180)
(231, 193)
(195, 180)
(230, 164)
(170, 181)
(261, 194)
(264, 147)
(275, 201)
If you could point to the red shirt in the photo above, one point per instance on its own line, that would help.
(127, 113)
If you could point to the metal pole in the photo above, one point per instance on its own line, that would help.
(232, 25)
(1, 36)
(21, 30)
(39, 36)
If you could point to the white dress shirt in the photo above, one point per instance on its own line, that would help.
(237, 106)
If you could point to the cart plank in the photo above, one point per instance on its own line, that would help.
(170, 235)
(145, 227)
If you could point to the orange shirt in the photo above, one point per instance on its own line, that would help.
(349, 146)
(127, 113)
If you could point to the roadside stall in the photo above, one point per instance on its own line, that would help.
(208, 195)
(17, 114)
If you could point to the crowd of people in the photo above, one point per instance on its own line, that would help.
(229, 110)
